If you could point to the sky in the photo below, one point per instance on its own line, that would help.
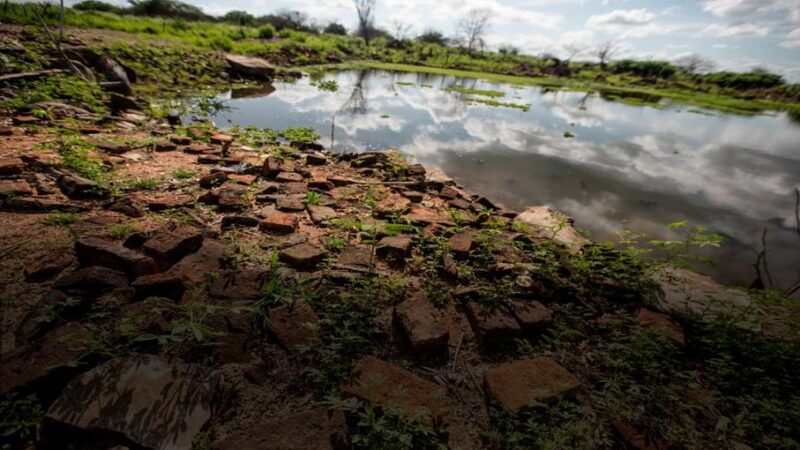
(736, 34)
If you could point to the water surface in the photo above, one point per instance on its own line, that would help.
(635, 167)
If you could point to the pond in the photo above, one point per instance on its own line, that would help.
(607, 164)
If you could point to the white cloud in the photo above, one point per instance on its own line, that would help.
(671, 10)
(792, 39)
(740, 8)
(735, 30)
(620, 17)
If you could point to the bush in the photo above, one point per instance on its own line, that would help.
(221, 43)
(94, 5)
(266, 32)
(335, 28)
(752, 80)
(661, 69)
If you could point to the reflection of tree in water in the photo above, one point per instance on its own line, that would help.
(357, 103)
(582, 101)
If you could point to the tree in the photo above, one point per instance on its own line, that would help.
(472, 28)
(94, 5)
(604, 52)
(431, 36)
(241, 18)
(399, 30)
(335, 28)
(572, 50)
(365, 10)
(695, 64)
(508, 49)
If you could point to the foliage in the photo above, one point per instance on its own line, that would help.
(182, 174)
(751, 80)
(144, 184)
(19, 416)
(327, 85)
(470, 91)
(121, 230)
(313, 198)
(387, 428)
(266, 31)
(64, 87)
(74, 154)
(300, 135)
(659, 69)
(335, 28)
(58, 219)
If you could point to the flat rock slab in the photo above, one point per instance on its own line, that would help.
(354, 255)
(546, 223)
(461, 244)
(168, 247)
(233, 196)
(15, 188)
(78, 187)
(39, 205)
(395, 246)
(531, 315)
(303, 256)
(290, 204)
(29, 367)
(198, 267)
(164, 202)
(290, 324)
(289, 177)
(11, 166)
(97, 252)
(317, 429)
(492, 324)
(389, 385)
(661, 324)
(159, 285)
(521, 383)
(250, 65)
(156, 403)
(683, 290)
(94, 279)
(244, 284)
(321, 214)
(423, 324)
(279, 223)
(423, 217)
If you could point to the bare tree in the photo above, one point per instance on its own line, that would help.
(365, 10)
(400, 30)
(472, 28)
(572, 50)
(695, 64)
(604, 52)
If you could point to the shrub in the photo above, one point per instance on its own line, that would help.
(753, 80)
(266, 32)
(221, 43)
(335, 28)
(661, 69)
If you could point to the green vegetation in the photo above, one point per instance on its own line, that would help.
(182, 174)
(19, 417)
(143, 184)
(326, 85)
(121, 230)
(57, 219)
(490, 102)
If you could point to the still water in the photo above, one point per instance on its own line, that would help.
(634, 167)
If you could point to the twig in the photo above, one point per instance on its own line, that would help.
(797, 209)
(57, 45)
(22, 75)
(458, 350)
(764, 253)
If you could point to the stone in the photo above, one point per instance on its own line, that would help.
(95, 280)
(392, 386)
(449, 193)
(200, 149)
(294, 188)
(492, 324)
(413, 197)
(168, 247)
(423, 217)
(461, 244)
(221, 139)
(321, 184)
(180, 140)
(290, 324)
(251, 66)
(284, 241)
(280, 223)
(11, 166)
(209, 159)
(232, 197)
(293, 204)
(368, 160)
(229, 222)
(165, 146)
(243, 179)
(113, 148)
(213, 179)
(460, 203)
(7, 131)
(78, 187)
(681, 291)
(23, 120)
(317, 429)
(246, 284)
(163, 202)
(15, 188)
(396, 247)
(316, 159)
(661, 324)
(199, 267)
(321, 214)
(531, 315)
(422, 323)
(637, 439)
(354, 255)
(42, 269)
(520, 383)
(159, 285)
(155, 402)
(303, 256)
(547, 224)
(39, 205)
(43, 365)
(289, 177)
(121, 102)
(340, 181)
(128, 206)
(436, 179)
(273, 166)
(97, 252)
(416, 170)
